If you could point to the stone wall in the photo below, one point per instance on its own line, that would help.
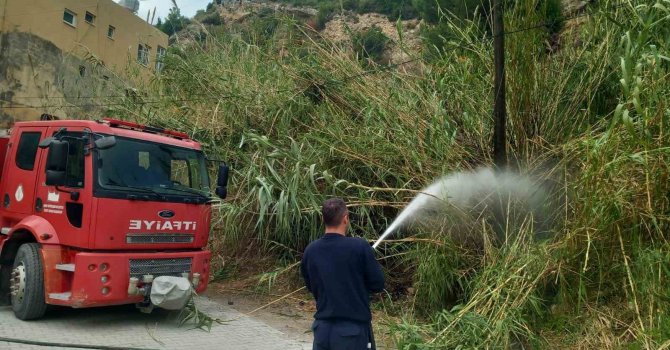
(37, 77)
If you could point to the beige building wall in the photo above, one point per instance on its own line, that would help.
(45, 18)
(70, 70)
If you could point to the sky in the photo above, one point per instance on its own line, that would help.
(188, 7)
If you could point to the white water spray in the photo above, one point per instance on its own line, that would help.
(477, 191)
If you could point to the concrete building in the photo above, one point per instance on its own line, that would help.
(67, 57)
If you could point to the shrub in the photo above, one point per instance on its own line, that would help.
(213, 18)
(370, 43)
(553, 15)
(325, 14)
(431, 10)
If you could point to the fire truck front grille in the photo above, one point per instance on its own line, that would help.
(153, 238)
(159, 267)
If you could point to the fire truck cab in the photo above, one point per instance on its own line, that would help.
(93, 213)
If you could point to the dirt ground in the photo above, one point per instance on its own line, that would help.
(291, 315)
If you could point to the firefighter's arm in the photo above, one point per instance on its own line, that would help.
(374, 277)
(303, 271)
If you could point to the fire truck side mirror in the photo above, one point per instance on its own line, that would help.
(46, 142)
(57, 163)
(105, 142)
(222, 181)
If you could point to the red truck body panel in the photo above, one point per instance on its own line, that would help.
(4, 141)
(85, 289)
(129, 237)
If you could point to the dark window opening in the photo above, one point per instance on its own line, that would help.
(75, 163)
(82, 71)
(160, 53)
(27, 150)
(110, 32)
(143, 54)
(70, 18)
(75, 167)
(89, 18)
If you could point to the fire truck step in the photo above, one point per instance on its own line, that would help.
(5, 230)
(61, 296)
(65, 267)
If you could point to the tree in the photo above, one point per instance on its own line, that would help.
(174, 22)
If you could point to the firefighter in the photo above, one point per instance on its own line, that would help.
(341, 272)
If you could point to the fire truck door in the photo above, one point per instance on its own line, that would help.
(22, 171)
(67, 207)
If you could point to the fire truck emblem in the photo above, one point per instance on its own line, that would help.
(19, 193)
(166, 214)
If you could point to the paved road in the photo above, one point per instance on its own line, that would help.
(124, 326)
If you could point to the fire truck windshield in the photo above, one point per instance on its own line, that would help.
(139, 167)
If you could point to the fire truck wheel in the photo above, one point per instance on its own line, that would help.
(27, 283)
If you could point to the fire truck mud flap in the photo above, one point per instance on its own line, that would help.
(170, 293)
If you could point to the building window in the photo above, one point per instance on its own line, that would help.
(110, 32)
(143, 54)
(89, 18)
(27, 151)
(82, 71)
(70, 17)
(160, 53)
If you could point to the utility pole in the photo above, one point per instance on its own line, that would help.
(499, 107)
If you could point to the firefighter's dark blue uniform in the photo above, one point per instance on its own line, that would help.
(341, 272)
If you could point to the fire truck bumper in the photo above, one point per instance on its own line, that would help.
(102, 279)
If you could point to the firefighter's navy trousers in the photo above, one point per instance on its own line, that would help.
(342, 335)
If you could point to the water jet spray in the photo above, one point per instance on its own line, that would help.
(501, 196)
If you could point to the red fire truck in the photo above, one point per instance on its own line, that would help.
(93, 211)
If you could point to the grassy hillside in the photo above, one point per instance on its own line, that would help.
(404, 9)
(300, 119)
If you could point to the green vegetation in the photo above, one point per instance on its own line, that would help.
(300, 119)
(433, 11)
(370, 44)
(394, 8)
(173, 23)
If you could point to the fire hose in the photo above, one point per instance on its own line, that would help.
(66, 345)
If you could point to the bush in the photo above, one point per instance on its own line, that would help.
(370, 44)
(213, 18)
(325, 14)
(403, 9)
(432, 10)
(553, 14)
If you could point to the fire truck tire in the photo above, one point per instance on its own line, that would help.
(27, 283)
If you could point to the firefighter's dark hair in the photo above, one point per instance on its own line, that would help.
(333, 210)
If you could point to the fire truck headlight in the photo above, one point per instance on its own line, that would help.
(104, 278)
(104, 267)
(105, 290)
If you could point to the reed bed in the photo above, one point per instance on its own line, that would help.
(300, 119)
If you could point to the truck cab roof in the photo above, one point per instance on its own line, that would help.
(122, 129)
